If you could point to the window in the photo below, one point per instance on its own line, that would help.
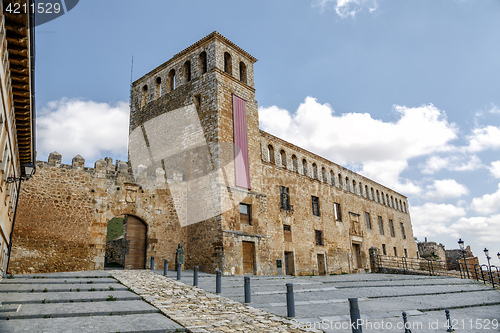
(340, 180)
(378, 197)
(203, 62)
(315, 205)
(366, 192)
(337, 211)
(171, 80)
(392, 201)
(158, 87)
(383, 198)
(243, 72)
(144, 99)
(406, 253)
(304, 167)
(354, 186)
(287, 232)
(403, 234)
(360, 189)
(395, 252)
(187, 71)
(315, 171)
(368, 220)
(283, 158)
(384, 251)
(381, 225)
(228, 66)
(245, 211)
(323, 175)
(295, 163)
(270, 153)
(347, 184)
(404, 207)
(284, 199)
(319, 237)
(332, 178)
(391, 227)
(373, 195)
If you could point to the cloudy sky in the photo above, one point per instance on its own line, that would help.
(404, 92)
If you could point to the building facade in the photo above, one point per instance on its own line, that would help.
(202, 173)
(16, 115)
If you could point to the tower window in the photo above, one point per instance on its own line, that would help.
(304, 167)
(270, 153)
(158, 87)
(203, 62)
(283, 158)
(171, 80)
(187, 71)
(243, 72)
(228, 66)
(295, 164)
(144, 98)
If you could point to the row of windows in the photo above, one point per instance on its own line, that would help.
(357, 188)
(186, 75)
(384, 251)
(381, 226)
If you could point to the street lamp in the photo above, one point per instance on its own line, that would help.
(29, 171)
(462, 248)
(486, 252)
(498, 255)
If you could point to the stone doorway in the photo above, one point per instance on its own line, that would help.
(289, 265)
(248, 257)
(321, 264)
(357, 263)
(126, 243)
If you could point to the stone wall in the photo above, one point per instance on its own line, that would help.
(431, 251)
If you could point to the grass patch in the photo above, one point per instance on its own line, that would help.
(111, 298)
(115, 228)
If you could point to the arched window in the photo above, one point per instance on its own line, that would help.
(378, 197)
(340, 180)
(400, 205)
(347, 187)
(295, 163)
(332, 178)
(383, 198)
(323, 175)
(373, 194)
(144, 97)
(270, 153)
(203, 62)
(392, 202)
(228, 66)
(304, 167)
(187, 71)
(158, 87)
(404, 207)
(243, 72)
(171, 80)
(387, 199)
(315, 171)
(283, 158)
(366, 192)
(360, 189)
(353, 186)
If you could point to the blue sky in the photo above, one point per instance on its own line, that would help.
(404, 92)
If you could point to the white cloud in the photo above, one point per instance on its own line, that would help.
(346, 8)
(454, 163)
(432, 219)
(381, 148)
(487, 204)
(445, 189)
(484, 138)
(483, 230)
(495, 169)
(93, 130)
(494, 109)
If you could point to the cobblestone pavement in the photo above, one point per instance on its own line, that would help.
(198, 310)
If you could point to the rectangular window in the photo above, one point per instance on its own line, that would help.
(315, 205)
(285, 199)
(406, 253)
(381, 225)
(391, 227)
(245, 214)
(395, 252)
(338, 213)
(368, 221)
(384, 251)
(403, 234)
(287, 232)
(319, 237)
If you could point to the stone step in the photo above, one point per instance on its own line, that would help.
(147, 323)
(65, 275)
(58, 310)
(58, 287)
(68, 297)
(58, 281)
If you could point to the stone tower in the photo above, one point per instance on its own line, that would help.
(190, 123)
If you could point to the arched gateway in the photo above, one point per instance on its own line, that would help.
(126, 242)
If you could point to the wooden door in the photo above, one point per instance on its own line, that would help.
(321, 264)
(135, 239)
(356, 256)
(289, 265)
(248, 258)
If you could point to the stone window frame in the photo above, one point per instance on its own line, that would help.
(332, 178)
(315, 205)
(243, 72)
(295, 163)
(318, 235)
(228, 63)
(315, 171)
(270, 153)
(144, 95)
(283, 158)
(186, 71)
(171, 80)
(391, 228)
(403, 233)
(323, 175)
(381, 225)
(203, 64)
(337, 209)
(158, 87)
(287, 233)
(384, 250)
(245, 217)
(368, 221)
(304, 167)
(285, 199)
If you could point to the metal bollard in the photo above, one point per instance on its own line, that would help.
(405, 321)
(152, 263)
(290, 300)
(248, 297)
(355, 316)
(179, 270)
(165, 267)
(195, 276)
(218, 282)
(448, 321)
